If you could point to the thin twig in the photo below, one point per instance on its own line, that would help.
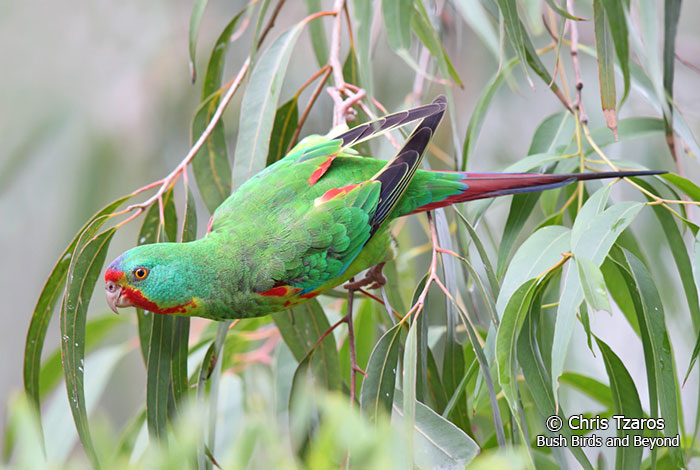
(169, 180)
(578, 104)
(351, 343)
(270, 23)
(304, 115)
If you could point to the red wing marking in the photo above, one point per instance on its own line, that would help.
(138, 300)
(335, 192)
(321, 170)
(309, 295)
(280, 291)
(211, 221)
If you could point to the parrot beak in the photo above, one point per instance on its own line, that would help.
(115, 297)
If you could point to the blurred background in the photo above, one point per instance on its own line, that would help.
(96, 101)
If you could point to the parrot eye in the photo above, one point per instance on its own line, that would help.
(140, 273)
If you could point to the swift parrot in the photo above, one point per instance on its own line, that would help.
(306, 224)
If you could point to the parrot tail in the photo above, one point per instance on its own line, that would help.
(486, 185)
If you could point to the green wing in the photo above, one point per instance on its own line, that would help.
(297, 233)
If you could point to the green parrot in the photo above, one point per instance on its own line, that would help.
(306, 224)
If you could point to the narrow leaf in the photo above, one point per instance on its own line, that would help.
(615, 14)
(50, 293)
(626, 403)
(606, 68)
(195, 19)
(513, 318)
(259, 105)
(83, 273)
(378, 387)
(397, 21)
(301, 328)
(286, 120)
(593, 284)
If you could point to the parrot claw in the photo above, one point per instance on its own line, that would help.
(374, 279)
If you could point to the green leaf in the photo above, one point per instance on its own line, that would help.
(537, 254)
(515, 30)
(60, 429)
(691, 189)
(430, 39)
(259, 105)
(181, 327)
(300, 329)
(488, 267)
(696, 276)
(83, 273)
(318, 34)
(95, 330)
(672, 12)
(615, 13)
(680, 255)
(588, 386)
(479, 114)
(50, 294)
(523, 46)
(397, 21)
(302, 326)
(189, 221)
(210, 165)
(521, 207)
(552, 135)
(477, 18)
(658, 355)
(606, 67)
(410, 371)
(378, 387)
(286, 121)
(158, 385)
(439, 443)
(195, 19)
(513, 318)
(593, 234)
(626, 403)
(593, 284)
(538, 379)
(563, 12)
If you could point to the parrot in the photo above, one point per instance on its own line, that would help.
(308, 223)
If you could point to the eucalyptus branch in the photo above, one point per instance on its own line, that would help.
(578, 103)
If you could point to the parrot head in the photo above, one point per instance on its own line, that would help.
(150, 277)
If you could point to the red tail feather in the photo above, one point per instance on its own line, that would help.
(487, 185)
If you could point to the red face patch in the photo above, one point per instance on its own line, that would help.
(138, 300)
(113, 275)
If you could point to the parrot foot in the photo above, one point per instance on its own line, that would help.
(343, 108)
(374, 279)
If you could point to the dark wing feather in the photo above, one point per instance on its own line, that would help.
(398, 173)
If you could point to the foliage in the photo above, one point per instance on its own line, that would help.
(478, 360)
